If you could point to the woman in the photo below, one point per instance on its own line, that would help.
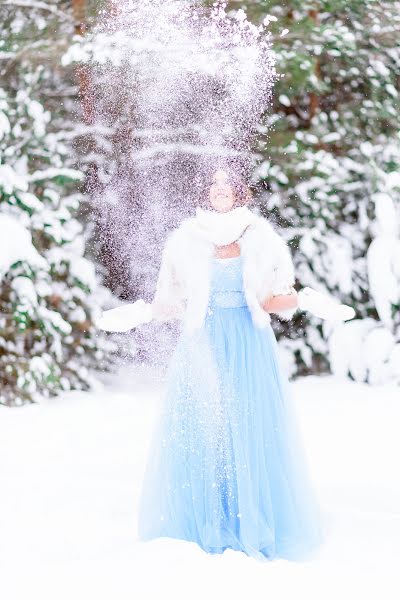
(225, 468)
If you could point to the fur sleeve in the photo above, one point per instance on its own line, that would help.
(284, 276)
(168, 303)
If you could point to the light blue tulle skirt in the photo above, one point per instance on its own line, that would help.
(226, 466)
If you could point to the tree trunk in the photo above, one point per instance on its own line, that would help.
(314, 99)
(83, 71)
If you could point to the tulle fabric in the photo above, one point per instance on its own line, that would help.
(226, 466)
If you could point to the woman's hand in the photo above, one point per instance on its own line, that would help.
(275, 304)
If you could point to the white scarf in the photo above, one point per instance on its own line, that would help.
(223, 228)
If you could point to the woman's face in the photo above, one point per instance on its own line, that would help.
(222, 197)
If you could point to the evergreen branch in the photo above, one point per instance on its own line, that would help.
(40, 6)
(62, 45)
(389, 35)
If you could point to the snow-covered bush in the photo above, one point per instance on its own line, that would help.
(49, 292)
(330, 162)
(369, 349)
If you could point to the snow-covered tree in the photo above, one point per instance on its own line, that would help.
(369, 349)
(326, 151)
(329, 161)
(48, 289)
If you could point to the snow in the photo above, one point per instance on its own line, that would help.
(269, 19)
(366, 350)
(71, 471)
(30, 201)
(40, 117)
(54, 320)
(41, 365)
(15, 245)
(4, 125)
(25, 290)
(383, 258)
(10, 180)
(283, 99)
(391, 90)
(378, 347)
(83, 270)
(345, 348)
(337, 260)
(80, 268)
(53, 172)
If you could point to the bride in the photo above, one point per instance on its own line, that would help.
(226, 466)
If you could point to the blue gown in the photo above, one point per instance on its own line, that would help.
(226, 467)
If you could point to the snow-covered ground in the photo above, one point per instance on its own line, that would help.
(70, 472)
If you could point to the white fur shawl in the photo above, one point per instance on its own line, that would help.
(183, 284)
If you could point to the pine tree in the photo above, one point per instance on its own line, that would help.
(330, 151)
(326, 150)
(49, 291)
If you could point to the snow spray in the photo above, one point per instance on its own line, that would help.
(183, 87)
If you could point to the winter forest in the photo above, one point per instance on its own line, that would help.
(107, 109)
(80, 226)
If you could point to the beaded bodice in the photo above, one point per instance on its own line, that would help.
(227, 283)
